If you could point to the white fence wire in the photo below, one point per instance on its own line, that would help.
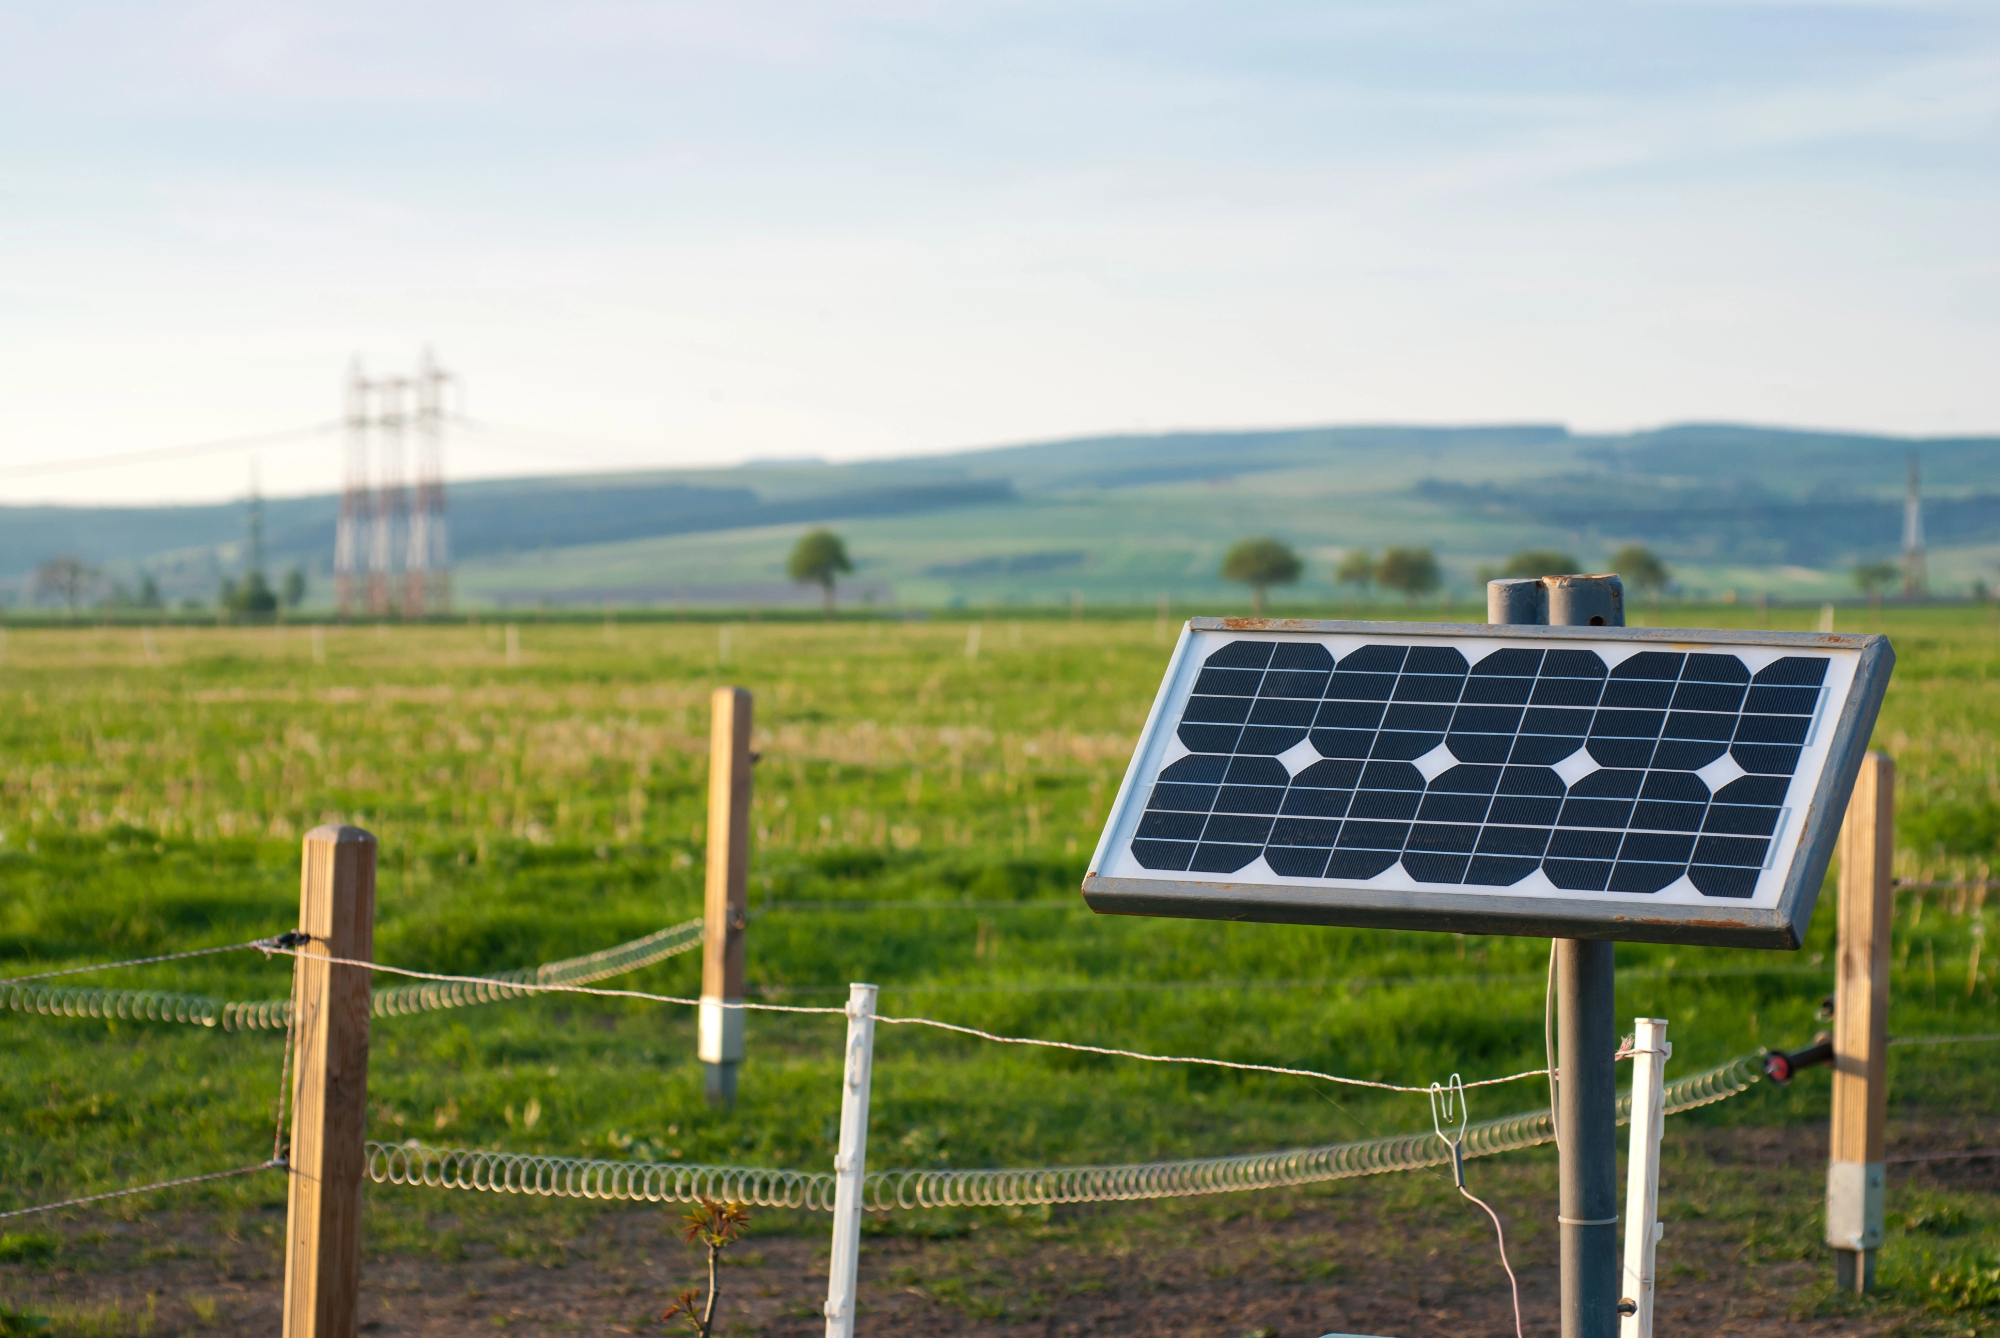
(662, 1182)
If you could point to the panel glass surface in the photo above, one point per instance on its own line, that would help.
(1627, 769)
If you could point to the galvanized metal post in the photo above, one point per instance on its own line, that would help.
(1587, 1102)
(1650, 1049)
(1517, 601)
(850, 1163)
(1586, 1042)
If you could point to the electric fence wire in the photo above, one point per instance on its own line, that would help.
(280, 1154)
(416, 1164)
(142, 1189)
(19, 995)
(1186, 1059)
(909, 1021)
(1353, 984)
(278, 1158)
(506, 1172)
(262, 943)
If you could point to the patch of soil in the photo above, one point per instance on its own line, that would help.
(1392, 1255)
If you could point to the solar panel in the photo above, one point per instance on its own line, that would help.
(1597, 782)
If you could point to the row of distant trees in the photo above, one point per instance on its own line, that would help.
(820, 558)
(1263, 562)
(74, 583)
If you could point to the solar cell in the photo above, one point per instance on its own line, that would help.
(1463, 764)
(1634, 818)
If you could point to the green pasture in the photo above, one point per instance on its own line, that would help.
(154, 784)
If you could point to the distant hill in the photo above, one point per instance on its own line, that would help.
(1123, 518)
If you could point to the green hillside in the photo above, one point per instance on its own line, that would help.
(1119, 520)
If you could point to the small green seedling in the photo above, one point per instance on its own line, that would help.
(715, 1225)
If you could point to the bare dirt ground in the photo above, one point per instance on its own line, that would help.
(1395, 1255)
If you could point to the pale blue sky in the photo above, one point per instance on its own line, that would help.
(681, 233)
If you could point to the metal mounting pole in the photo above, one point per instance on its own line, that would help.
(1586, 1039)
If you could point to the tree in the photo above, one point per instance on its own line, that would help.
(1356, 569)
(295, 587)
(1641, 566)
(819, 558)
(65, 578)
(1414, 571)
(1874, 578)
(1260, 564)
(715, 1225)
(252, 596)
(149, 594)
(1539, 562)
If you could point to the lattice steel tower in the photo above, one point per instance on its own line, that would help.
(427, 582)
(402, 547)
(356, 506)
(1916, 583)
(392, 500)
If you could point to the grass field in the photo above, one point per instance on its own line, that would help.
(152, 793)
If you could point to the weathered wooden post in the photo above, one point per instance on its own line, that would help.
(726, 909)
(1854, 1179)
(330, 1088)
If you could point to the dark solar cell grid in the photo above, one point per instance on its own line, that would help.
(1495, 808)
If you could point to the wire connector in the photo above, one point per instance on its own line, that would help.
(1448, 1111)
(289, 941)
(1781, 1066)
(1445, 1098)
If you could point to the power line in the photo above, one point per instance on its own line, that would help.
(548, 447)
(543, 445)
(183, 451)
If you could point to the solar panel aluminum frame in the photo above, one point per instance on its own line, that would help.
(1356, 904)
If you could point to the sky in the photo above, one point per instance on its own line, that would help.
(672, 234)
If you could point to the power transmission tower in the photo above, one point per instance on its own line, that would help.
(256, 567)
(356, 509)
(404, 549)
(1916, 584)
(428, 580)
(392, 501)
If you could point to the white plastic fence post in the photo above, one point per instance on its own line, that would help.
(850, 1164)
(1642, 1172)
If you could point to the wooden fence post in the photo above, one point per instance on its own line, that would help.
(1854, 1179)
(726, 909)
(330, 1086)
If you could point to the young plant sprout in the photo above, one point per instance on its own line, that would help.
(715, 1225)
